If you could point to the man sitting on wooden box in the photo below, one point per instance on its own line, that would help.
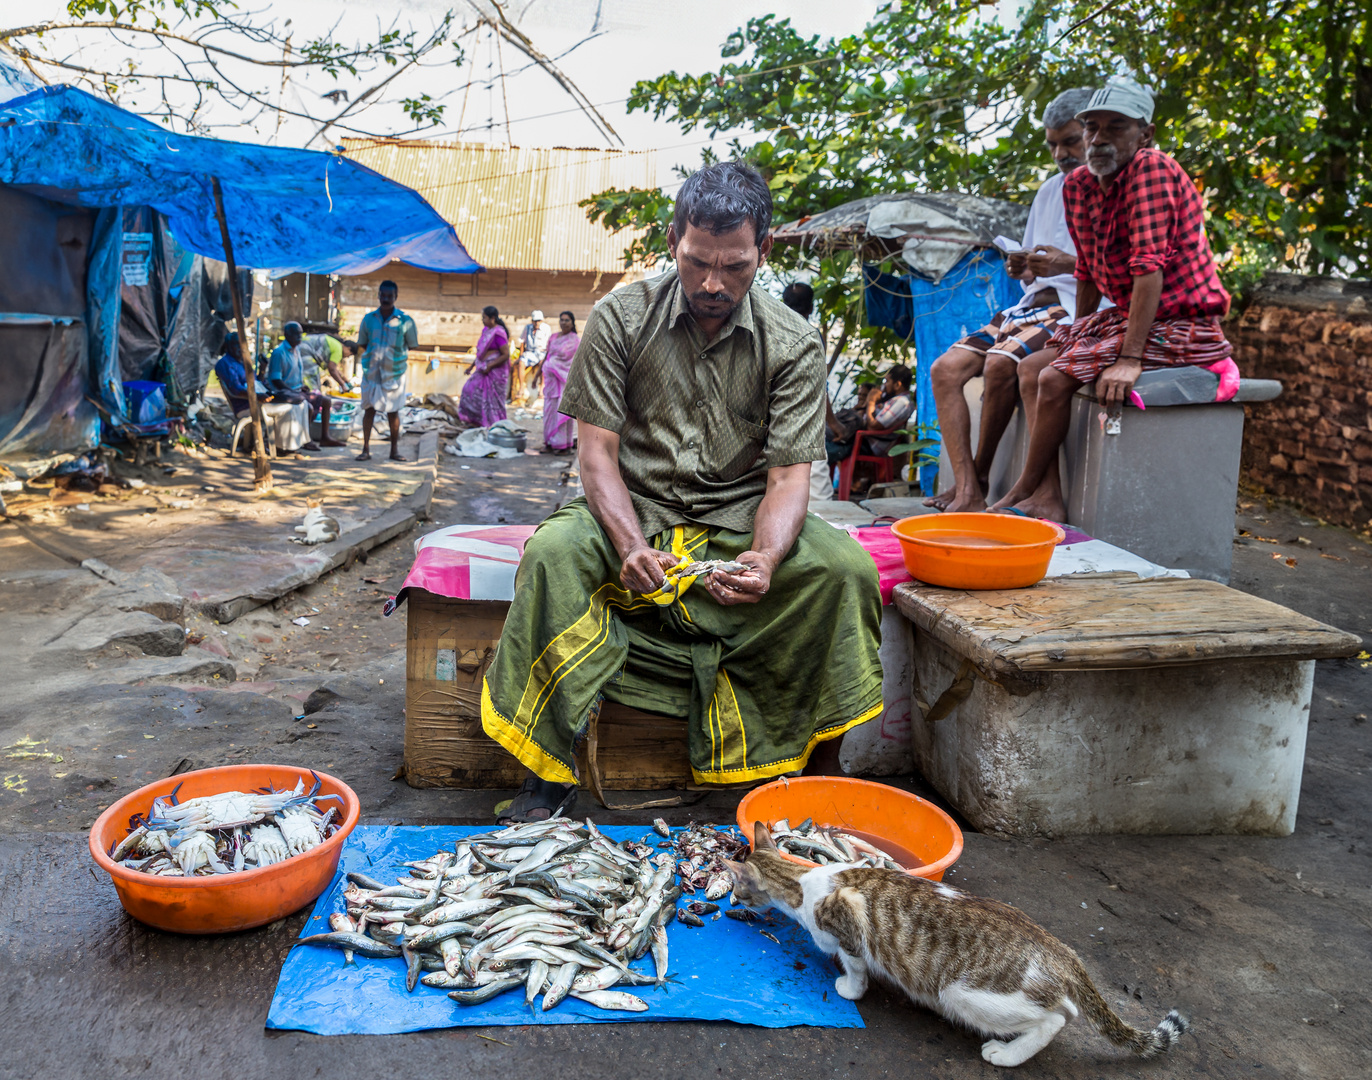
(699, 407)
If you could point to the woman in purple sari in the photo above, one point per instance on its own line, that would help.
(559, 432)
(483, 394)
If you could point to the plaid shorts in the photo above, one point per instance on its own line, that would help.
(1093, 343)
(1015, 336)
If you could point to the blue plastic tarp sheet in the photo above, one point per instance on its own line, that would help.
(964, 300)
(288, 210)
(726, 970)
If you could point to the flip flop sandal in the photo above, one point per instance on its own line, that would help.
(536, 794)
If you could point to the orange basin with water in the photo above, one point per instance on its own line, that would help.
(977, 551)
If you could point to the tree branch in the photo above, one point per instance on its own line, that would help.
(167, 35)
(520, 41)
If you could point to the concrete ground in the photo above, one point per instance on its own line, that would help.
(1264, 943)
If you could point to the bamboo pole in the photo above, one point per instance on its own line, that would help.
(262, 469)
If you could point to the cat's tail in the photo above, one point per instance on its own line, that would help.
(1145, 1044)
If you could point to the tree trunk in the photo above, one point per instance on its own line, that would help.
(262, 468)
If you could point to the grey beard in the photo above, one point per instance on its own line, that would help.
(1066, 165)
(1102, 164)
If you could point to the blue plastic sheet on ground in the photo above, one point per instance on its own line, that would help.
(726, 970)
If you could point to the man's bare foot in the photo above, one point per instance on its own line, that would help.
(331, 442)
(1011, 498)
(1041, 508)
(966, 504)
(941, 501)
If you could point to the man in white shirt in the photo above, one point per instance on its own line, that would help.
(1045, 268)
(534, 346)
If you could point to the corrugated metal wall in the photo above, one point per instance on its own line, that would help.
(516, 207)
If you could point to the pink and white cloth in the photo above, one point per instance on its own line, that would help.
(478, 562)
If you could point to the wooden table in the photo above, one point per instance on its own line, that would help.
(1107, 703)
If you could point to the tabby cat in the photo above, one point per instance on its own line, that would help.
(976, 961)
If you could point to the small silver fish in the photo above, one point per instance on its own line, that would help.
(340, 923)
(711, 566)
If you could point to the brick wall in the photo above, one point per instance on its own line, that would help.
(1312, 445)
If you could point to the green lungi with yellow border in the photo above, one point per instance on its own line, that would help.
(761, 684)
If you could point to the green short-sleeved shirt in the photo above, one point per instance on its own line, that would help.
(699, 422)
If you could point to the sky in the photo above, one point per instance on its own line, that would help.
(605, 46)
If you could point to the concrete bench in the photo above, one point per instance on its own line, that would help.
(1165, 486)
(1110, 704)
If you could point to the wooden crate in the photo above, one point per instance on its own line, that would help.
(449, 646)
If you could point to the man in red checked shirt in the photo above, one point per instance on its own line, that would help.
(1138, 224)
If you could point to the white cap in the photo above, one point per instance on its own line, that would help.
(1123, 96)
(537, 315)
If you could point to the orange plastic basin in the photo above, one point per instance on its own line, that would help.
(221, 903)
(888, 813)
(977, 551)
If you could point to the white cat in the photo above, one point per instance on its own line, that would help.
(318, 527)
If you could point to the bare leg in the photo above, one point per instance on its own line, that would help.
(949, 375)
(997, 406)
(1049, 491)
(824, 759)
(367, 418)
(394, 420)
(1052, 414)
(324, 422)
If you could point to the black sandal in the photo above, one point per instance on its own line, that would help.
(537, 795)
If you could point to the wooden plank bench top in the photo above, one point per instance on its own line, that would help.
(1114, 621)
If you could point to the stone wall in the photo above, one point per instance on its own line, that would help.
(1313, 445)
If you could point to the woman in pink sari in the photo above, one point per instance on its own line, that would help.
(483, 394)
(559, 432)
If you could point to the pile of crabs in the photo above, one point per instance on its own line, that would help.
(226, 833)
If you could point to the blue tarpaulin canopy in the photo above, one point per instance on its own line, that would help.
(934, 315)
(288, 211)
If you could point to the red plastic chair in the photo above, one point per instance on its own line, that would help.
(884, 463)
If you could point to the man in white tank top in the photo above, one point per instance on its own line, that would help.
(1044, 266)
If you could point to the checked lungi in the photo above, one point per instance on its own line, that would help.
(1094, 342)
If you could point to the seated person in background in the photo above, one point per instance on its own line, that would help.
(699, 407)
(1044, 268)
(843, 425)
(1139, 228)
(885, 410)
(889, 410)
(326, 352)
(291, 420)
(286, 375)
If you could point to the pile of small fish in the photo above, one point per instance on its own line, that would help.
(700, 852)
(206, 836)
(552, 906)
(825, 845)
